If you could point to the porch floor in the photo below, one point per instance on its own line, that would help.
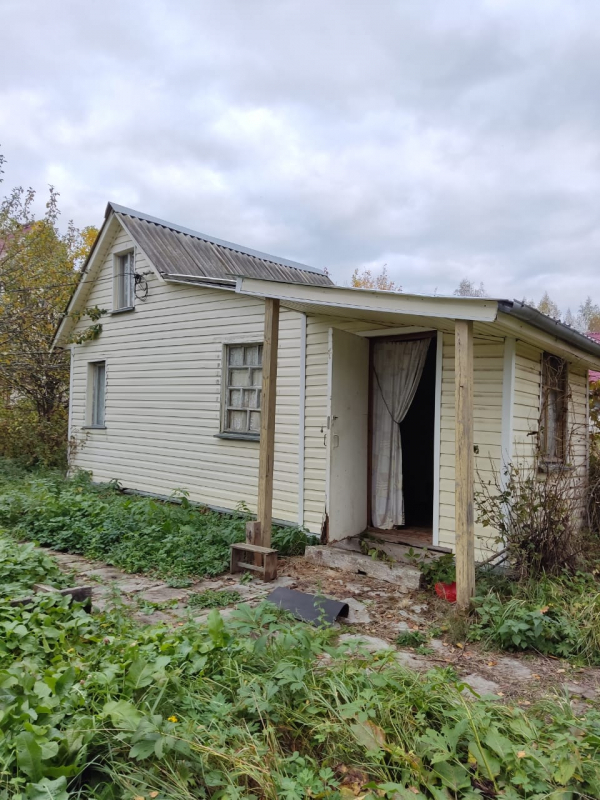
(411, 536)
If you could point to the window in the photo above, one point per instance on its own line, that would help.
(124, 291)
(242, 389)
(553, 423)
(98, 386)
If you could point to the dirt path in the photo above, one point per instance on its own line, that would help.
(378, 613)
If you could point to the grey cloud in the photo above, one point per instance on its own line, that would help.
(444, 139)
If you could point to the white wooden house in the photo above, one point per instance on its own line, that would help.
(168, 396)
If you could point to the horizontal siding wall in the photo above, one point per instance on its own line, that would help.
(488, 370)
(163, 394)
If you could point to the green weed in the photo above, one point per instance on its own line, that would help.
(258, 706)
(558, 616)
(171, 540)
(213, 598)
(411, 639)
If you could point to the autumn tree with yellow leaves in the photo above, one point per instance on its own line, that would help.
(39, 268)
(365, 279)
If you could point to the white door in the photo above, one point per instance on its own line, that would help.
(347, 434)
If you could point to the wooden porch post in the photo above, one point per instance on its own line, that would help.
(464, 471)
(267, 421)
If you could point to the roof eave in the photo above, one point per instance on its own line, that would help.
(553, 327)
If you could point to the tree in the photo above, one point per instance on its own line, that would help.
(366, 280)
(39, 268)
(589, 316)
(467, 288)
(549, 307)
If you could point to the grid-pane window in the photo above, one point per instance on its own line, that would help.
(243, 389)
(98, 393)
(553, 427)
(124, 281)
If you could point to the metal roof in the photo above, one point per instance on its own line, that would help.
(182, 252)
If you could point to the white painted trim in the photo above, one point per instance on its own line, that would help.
(437, 436)
(470, 308)
(71, 383)
(588, 426)
(301, 419)
(325, 428)
(394, 331)
(508, 405)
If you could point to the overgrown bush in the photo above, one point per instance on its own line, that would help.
(96, 708)
(594, 485)
(30, 439)
(558, 616)
(537, 518)
(136, 533)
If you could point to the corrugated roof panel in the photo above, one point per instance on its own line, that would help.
(175, 250)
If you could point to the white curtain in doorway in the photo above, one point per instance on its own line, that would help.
(397, 370)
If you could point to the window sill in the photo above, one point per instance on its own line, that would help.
(555, 466)
(122, 310)
(93, 427)
(244, 437)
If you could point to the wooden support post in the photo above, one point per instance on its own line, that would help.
(464, 471)
(267, 420)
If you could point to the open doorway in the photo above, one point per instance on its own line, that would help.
(402, 438)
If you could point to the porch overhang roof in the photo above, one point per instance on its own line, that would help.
(374, 302)
(505, 317)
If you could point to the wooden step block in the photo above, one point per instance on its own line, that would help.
(267, 558)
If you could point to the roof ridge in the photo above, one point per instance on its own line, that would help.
(130, 212)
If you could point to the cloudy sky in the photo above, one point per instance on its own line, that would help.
(444, 139)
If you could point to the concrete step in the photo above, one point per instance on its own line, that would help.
(399, 552)
(402, 575)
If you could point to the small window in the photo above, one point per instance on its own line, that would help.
(242, 389)
(124, 281)
(98, 387)
(553, 423)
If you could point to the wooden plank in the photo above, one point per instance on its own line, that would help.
(252, 548)
(267, 420)
(464, 472)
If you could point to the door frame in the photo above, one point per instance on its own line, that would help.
(421, 333)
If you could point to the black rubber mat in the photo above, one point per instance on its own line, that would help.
(309, 607)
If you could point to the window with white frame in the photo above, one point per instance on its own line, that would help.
(124, 281)
(98, 393)
(242, 379)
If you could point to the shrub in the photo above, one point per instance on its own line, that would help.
(32, 440)
(538, 520)
(594, 485)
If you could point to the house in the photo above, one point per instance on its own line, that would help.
(230, 373)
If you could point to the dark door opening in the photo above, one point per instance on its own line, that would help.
(417, 431)
(417, 437)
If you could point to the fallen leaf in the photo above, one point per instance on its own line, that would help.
(500, 694)
(460, 645)
(561, 670)
(492, 663)
(524, 703)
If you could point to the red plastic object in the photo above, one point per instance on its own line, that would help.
(447, 591)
